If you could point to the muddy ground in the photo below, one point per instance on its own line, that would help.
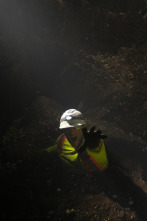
(36, 186)
(65, 54)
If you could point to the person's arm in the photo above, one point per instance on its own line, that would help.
(52, 149)
(93, 137)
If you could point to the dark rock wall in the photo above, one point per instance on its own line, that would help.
(85, 54)
(71, 51)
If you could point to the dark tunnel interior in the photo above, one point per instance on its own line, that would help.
(84, 54)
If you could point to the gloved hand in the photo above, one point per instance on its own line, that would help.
(92, 137)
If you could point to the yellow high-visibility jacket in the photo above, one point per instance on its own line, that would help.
(93, 160)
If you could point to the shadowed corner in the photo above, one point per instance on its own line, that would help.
(117, 180)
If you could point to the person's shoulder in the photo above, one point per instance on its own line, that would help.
(96, 149)
(92, 150)
(60, 138)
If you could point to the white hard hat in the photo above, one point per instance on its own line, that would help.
(71, 118)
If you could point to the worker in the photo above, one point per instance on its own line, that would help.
(78, 147)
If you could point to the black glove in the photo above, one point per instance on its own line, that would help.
(92, 137)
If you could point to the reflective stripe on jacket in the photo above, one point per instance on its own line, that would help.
(93, 160)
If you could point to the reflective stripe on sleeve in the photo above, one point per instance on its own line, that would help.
(95, 162)
(60, 141)
(90, 163)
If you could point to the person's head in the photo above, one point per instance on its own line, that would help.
(72, 122)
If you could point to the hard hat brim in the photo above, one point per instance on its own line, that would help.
(68, 124)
